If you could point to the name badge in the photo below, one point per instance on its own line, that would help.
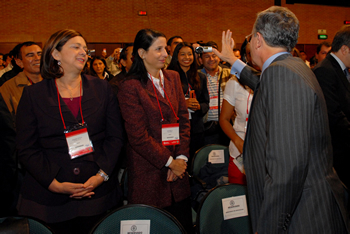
(170, 134)
(213, 104)
(78, 141)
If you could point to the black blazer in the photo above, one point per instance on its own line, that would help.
(43, 149)
(292, 187)
(202, 95)
(336, 90)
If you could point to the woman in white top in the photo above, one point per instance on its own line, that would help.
(237, 100)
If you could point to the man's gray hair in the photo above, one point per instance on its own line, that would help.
(278, 26)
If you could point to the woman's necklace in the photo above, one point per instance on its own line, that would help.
(70, 90)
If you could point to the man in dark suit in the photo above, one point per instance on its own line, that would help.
(292, 187)
(332, 76)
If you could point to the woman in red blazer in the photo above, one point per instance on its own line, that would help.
(156, 121)
(69, 186)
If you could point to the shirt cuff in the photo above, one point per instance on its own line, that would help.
(170, 160)
(182, 157)
(237, 68)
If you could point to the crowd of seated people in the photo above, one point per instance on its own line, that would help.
(118, 107)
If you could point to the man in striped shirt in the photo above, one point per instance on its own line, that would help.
(216, 80)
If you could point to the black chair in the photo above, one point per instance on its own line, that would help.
(23, 225)
(210, 218)
(204, 175)
(161, 220)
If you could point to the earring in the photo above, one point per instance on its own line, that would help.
(59, 63)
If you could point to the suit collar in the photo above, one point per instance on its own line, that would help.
(273, 58)
(167, 87)
(338, 69)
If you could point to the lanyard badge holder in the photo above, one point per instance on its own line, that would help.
(77, 137)
(170, 132)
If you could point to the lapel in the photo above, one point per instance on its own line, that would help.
(256, 91)
(150, 90)
(339, 71)
(54, 109)
(90, 103)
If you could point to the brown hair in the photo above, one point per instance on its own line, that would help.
(49, 68)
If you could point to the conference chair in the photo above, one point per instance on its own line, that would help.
(23, 225)
(161, 221)
(211, 216)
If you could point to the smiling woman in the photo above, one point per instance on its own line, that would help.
(156, 121)
(194, 87)
(68, 148)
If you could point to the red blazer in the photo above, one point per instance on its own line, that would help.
(147, 174)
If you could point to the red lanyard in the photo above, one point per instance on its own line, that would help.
(250, 91)
(31, 82)
(59, 105)
(189, 89)
(160, 109)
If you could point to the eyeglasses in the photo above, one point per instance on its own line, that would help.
(249, 37)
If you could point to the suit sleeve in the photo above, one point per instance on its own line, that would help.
(30, 153)
(136, 125)
(329, 82)
(289, 105)
(114, 134)
(183, 148)
(250, 77)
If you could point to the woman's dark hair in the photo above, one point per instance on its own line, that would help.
(49, 68)
(144, 39)
(92, 71)
(243, 51)
(123, 55)
(192, 74)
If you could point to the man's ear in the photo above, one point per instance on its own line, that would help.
(19, 63)
(141, 53)
(344, 49)
(259, 40)
(56, 54)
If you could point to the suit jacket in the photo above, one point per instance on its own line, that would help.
(292, 187)
(44, 153)
(8, 162)
(336, 90)
(147, 156)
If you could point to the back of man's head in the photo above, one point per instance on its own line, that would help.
(171, 40)
(278, 26)
(319, 46)
(14, 54)
(342, 37)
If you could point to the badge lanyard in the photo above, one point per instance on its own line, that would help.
(246, 120)
(212, 102)
(31, 82)
(77, 137)
(170, 132)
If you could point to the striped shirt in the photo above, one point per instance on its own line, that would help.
(213, 85)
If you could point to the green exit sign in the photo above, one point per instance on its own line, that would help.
(322, 36)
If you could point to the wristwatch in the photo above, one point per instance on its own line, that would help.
(104, 175)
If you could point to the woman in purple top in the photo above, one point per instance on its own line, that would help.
(69, 138)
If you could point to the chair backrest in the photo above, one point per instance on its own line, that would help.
(161, 220)
(201, 157)
(22, 224)
(210, 217)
